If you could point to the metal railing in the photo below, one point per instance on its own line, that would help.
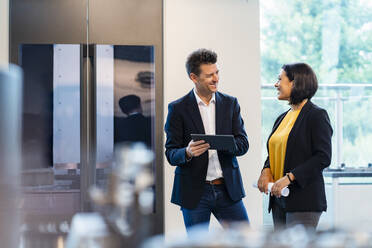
(339, 99)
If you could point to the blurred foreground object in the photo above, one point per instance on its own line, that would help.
(10, 153)
(125, 207)
(90, 230)
(240, 235)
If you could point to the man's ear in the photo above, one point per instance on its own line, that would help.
(193, 77)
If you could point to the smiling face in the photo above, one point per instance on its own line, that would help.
(284, 86)
(207, 82)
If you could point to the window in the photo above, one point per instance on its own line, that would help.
(335, 38)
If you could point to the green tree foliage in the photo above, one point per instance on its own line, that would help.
(355, 64)
(295, 31)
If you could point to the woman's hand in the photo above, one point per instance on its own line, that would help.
(265, 178)
(283, 182)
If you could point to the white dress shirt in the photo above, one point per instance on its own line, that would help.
(208, 115)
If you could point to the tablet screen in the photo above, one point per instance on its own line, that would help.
(217, 142)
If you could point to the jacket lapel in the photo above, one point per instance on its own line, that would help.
(292, 134)
(274, 128)
(195, 113)
(219, 111)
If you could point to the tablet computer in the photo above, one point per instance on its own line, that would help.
(217, 142)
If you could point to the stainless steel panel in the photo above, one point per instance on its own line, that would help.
(138, 23)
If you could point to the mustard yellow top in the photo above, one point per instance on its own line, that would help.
(278, 143)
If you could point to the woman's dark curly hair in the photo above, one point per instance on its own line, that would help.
(199, 57)
(305, 83)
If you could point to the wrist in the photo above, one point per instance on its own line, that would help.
(266, 171)
(290, 177)
(188, 154)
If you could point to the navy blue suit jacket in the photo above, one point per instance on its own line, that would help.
(184, 119)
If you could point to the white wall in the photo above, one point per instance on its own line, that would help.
(4, 31)
(231, 28)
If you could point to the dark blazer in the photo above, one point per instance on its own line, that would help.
(184, 119)
(308, 152)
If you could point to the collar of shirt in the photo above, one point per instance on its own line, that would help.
(200, 101)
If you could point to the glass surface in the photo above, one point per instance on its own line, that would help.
(324, 36)
(50, 139)
(334, 38)
(134, 94)
(37, 136)
(51, 105)
(125, 99)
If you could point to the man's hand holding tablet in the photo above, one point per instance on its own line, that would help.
(196, 148)
(216, 142)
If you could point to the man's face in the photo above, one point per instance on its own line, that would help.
(207, 81)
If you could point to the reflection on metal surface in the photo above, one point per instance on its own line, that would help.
(51, 141)
(124, 208)
(129, 188)
(51, 136)
(125, 107)
(37, 136)
(44, 233)
(125, 93)
(51, 125)
(146, 78)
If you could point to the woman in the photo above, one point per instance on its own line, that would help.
(299, 148)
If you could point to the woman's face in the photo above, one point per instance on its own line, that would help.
(284, 86)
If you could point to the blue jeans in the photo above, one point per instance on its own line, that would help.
(215, 200)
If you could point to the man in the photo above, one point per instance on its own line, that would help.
(206, 181)
(135, 127)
